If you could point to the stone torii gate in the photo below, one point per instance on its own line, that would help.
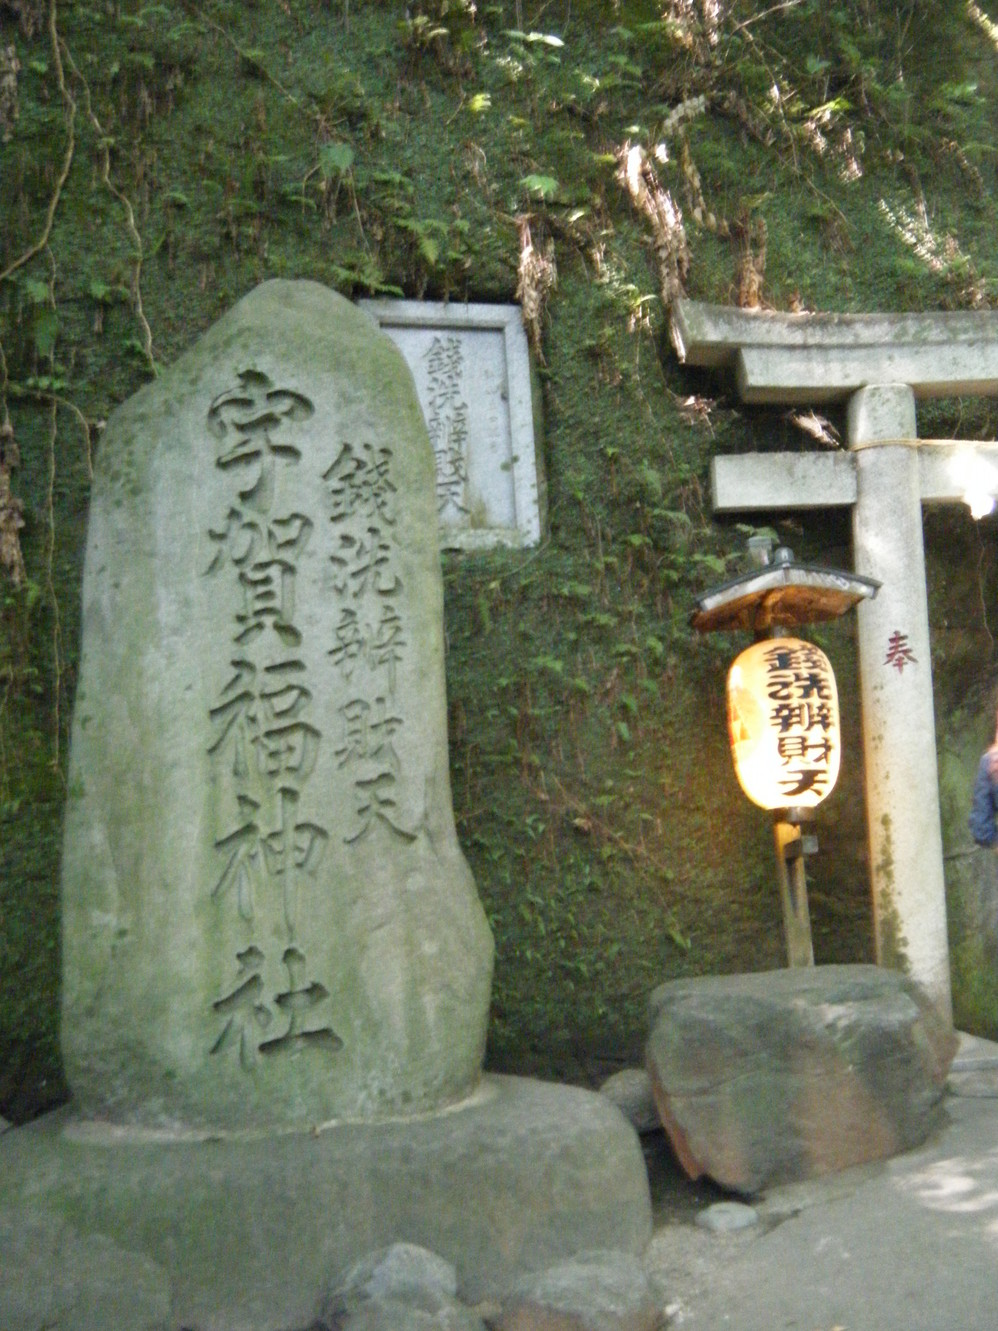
(878, 365)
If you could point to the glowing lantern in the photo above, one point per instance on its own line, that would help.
(783, 722)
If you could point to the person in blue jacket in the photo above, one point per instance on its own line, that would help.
(983, 819)
(983, 824)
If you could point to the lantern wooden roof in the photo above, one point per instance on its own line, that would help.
(783, 594)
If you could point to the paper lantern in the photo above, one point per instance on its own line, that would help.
(783, 722)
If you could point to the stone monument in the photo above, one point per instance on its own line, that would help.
(276, 966)
(266, 915)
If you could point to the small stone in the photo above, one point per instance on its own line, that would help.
(471, 367)
(727, 1217)
(4, 1126)
(630, 1090)
(404, 1273)
(595, 1291)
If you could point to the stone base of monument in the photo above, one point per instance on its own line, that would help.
(131, 1230)
(779, 1076)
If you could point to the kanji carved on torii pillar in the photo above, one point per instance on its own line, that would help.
(878, 365)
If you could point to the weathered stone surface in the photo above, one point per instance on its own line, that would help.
(53, 1277)
(404, 1272)
(798, 358)
(253, 1229)
(974, 1070)
(595, 1291)
(630, 1090)
(786, 1075)
(266, 915)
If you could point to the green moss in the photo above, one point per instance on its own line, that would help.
(591, 780)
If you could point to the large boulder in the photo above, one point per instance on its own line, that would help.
(785, 1075)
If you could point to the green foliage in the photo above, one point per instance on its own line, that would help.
(168, 157)
(444, 28)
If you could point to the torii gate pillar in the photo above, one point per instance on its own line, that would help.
(899, 737)
(878, 366)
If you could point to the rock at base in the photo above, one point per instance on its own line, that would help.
(401, 1288)
(251, 1230)
(630, 1090)
(594, 1291)
(403, 1271)
(786, 1075)
(727, 1217)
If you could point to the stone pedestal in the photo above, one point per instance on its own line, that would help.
(124, 1229)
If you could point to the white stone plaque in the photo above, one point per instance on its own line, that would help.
(472, 371)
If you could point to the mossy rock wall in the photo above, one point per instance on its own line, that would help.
(158, 161)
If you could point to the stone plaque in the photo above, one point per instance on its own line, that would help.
(267, 917)
(472, 371)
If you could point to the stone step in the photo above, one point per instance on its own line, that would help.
(974, 1071)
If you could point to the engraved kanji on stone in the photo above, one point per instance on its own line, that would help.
(298, 1003)
(379, 646)
(351, 642)
(292, 846)
(452, 463)
(260, 711)
(375, 802)
(447, 420)
(364, 564)
(244, 1012)
(243, 538)
(235, 717)
(244, 865)
(289, 750)
(282, 693)
(237, 542)
(387, 644)
(268, 602)
(444, 363)
(368, 729)
(358, 484)
(249, 423)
